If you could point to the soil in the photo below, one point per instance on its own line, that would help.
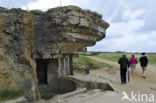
(136, 84)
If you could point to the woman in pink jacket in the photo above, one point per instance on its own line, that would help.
(133, 62)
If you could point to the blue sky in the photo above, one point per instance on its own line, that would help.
(132, 22)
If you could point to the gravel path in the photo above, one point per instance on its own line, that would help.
(136, 84)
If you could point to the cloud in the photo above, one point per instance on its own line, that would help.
(14, 3)
(104, 7)
(129, 19)
(132, 22)
(46, 4)
(132, 28)
(147, 7)
(150, 21)
(131, 43)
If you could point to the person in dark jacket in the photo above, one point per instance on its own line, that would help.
(124, 64)
(143, 63)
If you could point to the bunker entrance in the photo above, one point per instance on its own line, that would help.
(49, 83)
(42, 65)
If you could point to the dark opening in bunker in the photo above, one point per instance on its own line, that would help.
(41, 69)
(49, 82)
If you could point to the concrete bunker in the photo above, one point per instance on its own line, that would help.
(49, 82)
(54, 78)
(67, 31)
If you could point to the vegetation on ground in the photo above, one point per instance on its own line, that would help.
(109, 58)
(83, 62)
(152, 60)
(11, 94)
(115, 56)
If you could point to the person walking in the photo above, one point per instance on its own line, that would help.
(143, 63)
(133, 62)
(124, 64)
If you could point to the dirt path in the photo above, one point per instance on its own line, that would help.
(136, 84)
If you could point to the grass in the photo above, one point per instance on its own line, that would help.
(86, 62)
(79, 63)
(115, 58)
(152, 59)
(109, 58)
(11, 94)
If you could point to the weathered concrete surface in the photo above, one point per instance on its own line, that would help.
(101, 89)
(90, 96)
(59, 33)
(66, 30)
(96, 96)
(90, 82)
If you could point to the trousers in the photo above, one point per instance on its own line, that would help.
(123, 75)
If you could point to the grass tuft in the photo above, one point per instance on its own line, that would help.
(11, 94)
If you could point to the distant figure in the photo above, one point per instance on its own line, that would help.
(133, 62)
(143, 63)
(124, 64)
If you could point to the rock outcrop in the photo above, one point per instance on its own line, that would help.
(37, 47)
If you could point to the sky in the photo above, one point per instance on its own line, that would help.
(132, 22)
